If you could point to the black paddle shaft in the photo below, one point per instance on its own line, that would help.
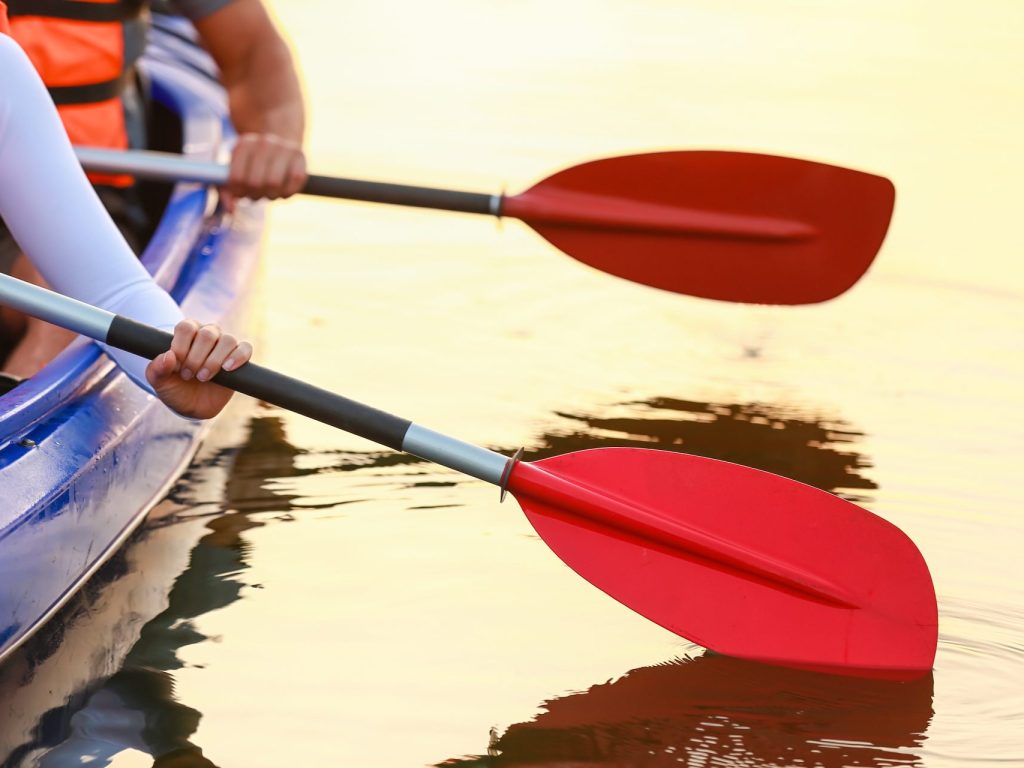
(400, 194)
(272, 387)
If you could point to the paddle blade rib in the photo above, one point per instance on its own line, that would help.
(731, 226)
(743, 562)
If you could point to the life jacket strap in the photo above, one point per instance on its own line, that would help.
(91, 93)
(125, 10)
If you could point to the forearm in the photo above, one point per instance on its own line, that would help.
(264, 93)
(257, 69)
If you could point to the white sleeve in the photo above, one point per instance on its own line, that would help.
(55, 216)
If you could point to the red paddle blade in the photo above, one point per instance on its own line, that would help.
(732, 226)
(741, 561)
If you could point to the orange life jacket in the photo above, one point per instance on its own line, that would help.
(5, 28)
(78, 48)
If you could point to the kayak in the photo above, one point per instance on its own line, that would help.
(135, 611)
(85, 453)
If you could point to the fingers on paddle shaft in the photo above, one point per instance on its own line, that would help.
(731, 226)
(743, 562)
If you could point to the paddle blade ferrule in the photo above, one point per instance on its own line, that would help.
(497, 209)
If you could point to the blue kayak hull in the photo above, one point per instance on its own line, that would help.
(84, 452)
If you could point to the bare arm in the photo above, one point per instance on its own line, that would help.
(264, 97)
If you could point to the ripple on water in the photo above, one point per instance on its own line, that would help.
(980, 673)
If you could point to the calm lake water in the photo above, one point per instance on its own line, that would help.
(304, 598)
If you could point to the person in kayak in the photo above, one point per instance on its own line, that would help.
(56, 216)
(86, 54)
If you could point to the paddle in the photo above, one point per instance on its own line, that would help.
(739, 560)
(732, 226)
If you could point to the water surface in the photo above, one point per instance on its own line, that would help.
(305, 598)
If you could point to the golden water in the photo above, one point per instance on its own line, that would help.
(343, 608)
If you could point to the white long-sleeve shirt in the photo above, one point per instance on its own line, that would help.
(55, 216)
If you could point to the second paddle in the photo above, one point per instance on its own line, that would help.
(732, 226)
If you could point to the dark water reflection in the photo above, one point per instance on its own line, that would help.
(758, 435)
(137, 706)
(810, 449)
(710, 704)
(714, 710)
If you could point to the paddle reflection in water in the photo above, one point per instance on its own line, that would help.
(238, 488)
(787, 443)
(714, 710)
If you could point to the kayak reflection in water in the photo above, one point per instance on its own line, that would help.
(85, 256)
(137, 707)
(134, 710)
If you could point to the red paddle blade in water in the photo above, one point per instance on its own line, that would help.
(732, 226)
(741, 561)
